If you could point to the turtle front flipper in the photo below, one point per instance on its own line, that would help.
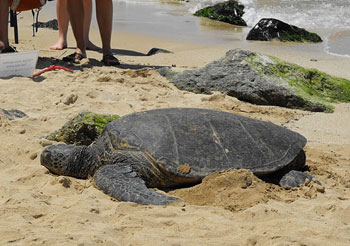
(122, 183)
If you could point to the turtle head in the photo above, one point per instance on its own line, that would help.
(60, 158)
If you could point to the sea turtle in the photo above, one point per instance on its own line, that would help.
(176, 147)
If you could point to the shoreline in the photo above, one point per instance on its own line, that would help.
(172, 20)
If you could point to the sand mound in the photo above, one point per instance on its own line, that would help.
(233, 190)
(237, 190)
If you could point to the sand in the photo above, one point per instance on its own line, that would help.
(228, 208)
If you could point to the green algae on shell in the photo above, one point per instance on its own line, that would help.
(83, 129)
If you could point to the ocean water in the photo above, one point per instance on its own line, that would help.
(329, 18)
(304, 13)
(164, 18)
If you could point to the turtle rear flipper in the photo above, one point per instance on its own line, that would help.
(123, 184)
(296, 178)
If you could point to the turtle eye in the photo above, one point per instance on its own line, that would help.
(59, 157)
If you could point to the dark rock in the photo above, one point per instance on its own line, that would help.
(238, 76)
(13, 114)
(229, 12)
(296, 178)
(268, 29)
(83, 129)
(154, 51)
(52, 24)
(265, 80)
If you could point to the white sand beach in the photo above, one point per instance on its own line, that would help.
(39, 208)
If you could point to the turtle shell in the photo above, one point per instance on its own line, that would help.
(196, 142)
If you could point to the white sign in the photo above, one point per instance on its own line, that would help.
(18, 64)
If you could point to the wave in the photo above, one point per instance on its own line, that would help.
(304, 13)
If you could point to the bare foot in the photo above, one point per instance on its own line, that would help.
(91, 46)
(59, 46)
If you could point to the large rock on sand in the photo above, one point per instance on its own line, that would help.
(265, 80)
(269, 29)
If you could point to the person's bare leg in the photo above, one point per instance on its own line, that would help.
(63, 22)
(76, 14)
(88, 14)
(104, 15)
(4, 13)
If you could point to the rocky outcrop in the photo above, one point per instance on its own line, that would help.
(52, 24)
(229, 12)
(83, 129)
(13, 114)
(269, 29)
(265, 80)
(154, 51)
